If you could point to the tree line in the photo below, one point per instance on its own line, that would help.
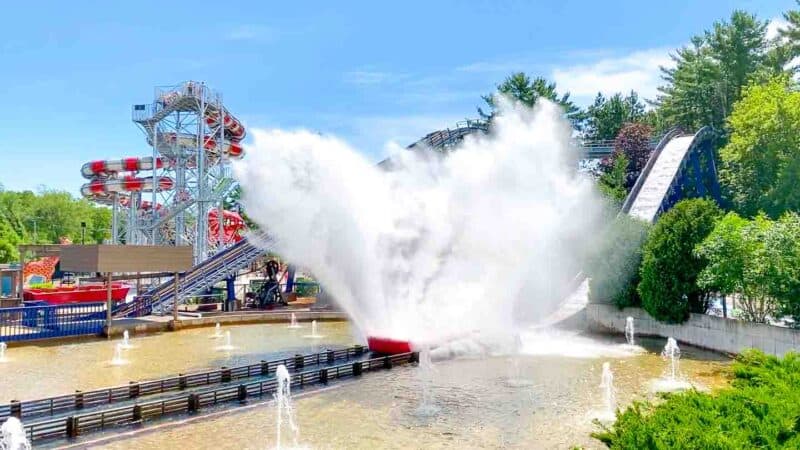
(742, 84)
(45, 217)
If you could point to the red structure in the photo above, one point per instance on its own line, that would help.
(388, 346)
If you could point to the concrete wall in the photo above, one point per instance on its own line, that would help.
(714, 333)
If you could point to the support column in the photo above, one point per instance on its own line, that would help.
(21, 281)
(175, 299)
(109, 304)
(230, 289)
(290, 279)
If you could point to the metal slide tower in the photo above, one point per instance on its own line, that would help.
(193, 139)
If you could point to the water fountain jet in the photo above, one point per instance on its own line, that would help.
(283, 398)
(293, 322)
(13, 436)
(629, 331)
(126, 340)
(672, 379)
(228, 345)
(314, 334)
(217, 332)
(607, 386)
(118, 360)
(427, 406)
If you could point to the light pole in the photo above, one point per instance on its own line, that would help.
(35, 233)
(83, 233)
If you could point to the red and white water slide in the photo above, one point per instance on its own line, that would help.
(117, 179)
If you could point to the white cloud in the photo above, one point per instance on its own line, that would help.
(774, 26)
(372, 77)
(637, 71)
(249, 32)
(493, 67)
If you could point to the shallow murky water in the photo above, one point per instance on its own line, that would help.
(544, 401)
(37, 371)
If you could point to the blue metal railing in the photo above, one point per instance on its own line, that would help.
(37, 322)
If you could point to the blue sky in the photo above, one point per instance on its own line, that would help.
(370, 72)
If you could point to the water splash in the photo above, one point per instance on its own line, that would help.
(3, 347)
(427, 405)
(13, 436)
(516, 378)
(672, 379)
(217, 332)
(607, 387)
(630, 332)
(126, 340)
(228, 344)
(118, 359)
(435, 247)
(283, 399)
(293, 322)
(314, 334)
(672, 353)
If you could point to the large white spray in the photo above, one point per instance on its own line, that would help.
(438, 246)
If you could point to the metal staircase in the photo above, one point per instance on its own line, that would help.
(222, 265)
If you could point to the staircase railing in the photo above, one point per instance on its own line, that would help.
(220, 266)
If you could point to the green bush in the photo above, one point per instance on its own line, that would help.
(669, 270)
(305, 290)
(761, 409)
(614, 266)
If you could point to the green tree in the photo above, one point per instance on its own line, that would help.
(613, 177)
(760, 165)
(613, 268)
(710, 73)
(606, 116)
(782, 254)
(520, 87)
(8, 242)
(788, 45)
(738, 263)
(669, 269)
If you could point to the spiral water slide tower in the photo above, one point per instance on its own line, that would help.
(174, 195)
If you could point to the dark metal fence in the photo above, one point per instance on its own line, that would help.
(40, 321)
(136, 389)
(75, 425)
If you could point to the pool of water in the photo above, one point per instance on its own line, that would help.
(538, 398)
(37, 371)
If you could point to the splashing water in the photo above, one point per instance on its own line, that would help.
(629, 331)
(672, 379)
(118, 359)
(13, 435)
(427, 405)
(3, 347)
(217, 332)
(436, 247)
(283, 399)
(126, 340)
(314, 334)
(293, 323)
(228, 345)
(607, 387)
(672, 354)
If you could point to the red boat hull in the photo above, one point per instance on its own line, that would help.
(388, 346)
(77, 294)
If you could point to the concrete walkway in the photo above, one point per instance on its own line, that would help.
(156, 324)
